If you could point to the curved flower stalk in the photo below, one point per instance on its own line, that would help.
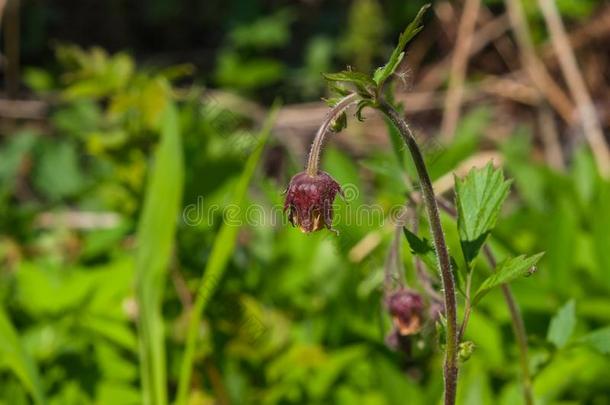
(311, 193)
(334, 113)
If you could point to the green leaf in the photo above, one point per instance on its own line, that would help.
(14, 356)
(421, 247)
(382, 73)
(479, 198)
(362, 81)
(338, 89)
(562, 325)
(507, 271)
(155, 236)
(598, 340)
(224, 243)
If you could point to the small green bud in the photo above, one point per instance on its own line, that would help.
(465, 350)
(339, 123)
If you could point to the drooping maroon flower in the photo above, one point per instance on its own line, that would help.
(406, 308)
(309, 201)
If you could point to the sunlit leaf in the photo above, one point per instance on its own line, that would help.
(479, 198)
(362, 81)
(507, 271)
(382, 73)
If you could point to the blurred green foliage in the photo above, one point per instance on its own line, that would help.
(295, 319)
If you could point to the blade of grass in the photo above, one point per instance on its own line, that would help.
(13, 356)
(222, 249)
(155, 238)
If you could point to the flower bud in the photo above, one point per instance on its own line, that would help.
(465, 350)
(309, 201)
(406, 308)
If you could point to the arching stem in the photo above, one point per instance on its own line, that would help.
(316, 146)
(440, 245)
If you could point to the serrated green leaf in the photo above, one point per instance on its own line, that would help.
(598, 340)
(507, 271)
(340, 90)
(349, 76)
(362, 81)
(562, 325)
(479, 198)
(382, 73)
(331, 101)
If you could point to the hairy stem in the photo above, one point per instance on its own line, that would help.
(423, 276)
(444, 262)
(316, 146)
(515, 316)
